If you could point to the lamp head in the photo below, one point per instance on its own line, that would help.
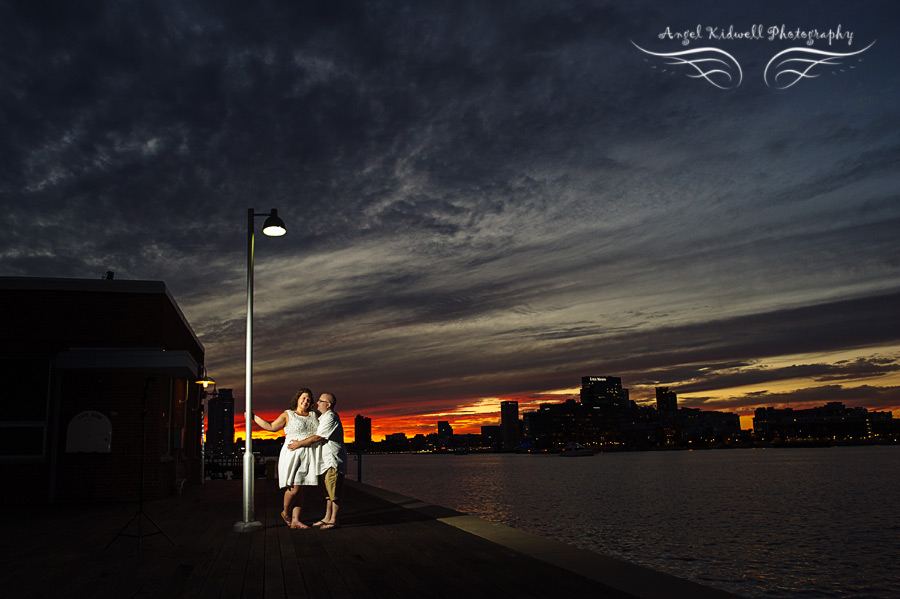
(205, 380)
(274, 226)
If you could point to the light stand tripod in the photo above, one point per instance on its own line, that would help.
(140, 515)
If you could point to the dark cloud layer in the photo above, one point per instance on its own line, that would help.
(482, 200)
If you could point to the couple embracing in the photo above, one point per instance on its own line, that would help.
(313, 454)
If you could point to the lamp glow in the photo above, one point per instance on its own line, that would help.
(205, 379)
(274, 226)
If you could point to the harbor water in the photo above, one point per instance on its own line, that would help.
(774, 523)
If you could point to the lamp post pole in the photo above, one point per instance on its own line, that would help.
(205, 380)
(274, 227)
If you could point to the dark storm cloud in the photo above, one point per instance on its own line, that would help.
(155, 107)
(720, 353)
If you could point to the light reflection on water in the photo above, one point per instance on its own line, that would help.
(776, 523)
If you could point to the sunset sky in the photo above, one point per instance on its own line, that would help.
(484, 201)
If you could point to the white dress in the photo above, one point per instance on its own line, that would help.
(298, 467)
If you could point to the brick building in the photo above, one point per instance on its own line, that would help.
(97, 373)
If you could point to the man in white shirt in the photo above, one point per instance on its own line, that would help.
(333, 458)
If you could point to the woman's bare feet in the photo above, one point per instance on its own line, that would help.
(299, 525)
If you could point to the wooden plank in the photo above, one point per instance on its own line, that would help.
(317, 574)
(294, 583)
(474, 561)
(235, 565)
(406, 561)
(255, 572)
(214, 581)
(184, 524)
(273, 574)
(379, 540)
(337, 554)
(365, 560)
(208, 547)
(426, 552)
(269, 505)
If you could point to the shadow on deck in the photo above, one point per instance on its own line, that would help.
(387, 545)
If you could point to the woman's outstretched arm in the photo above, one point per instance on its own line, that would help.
(276, 425)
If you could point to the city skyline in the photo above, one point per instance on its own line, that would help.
(508, 413)
(482, 203)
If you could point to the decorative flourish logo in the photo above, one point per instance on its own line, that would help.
(722, 70)
(790, 68)
(705, 64)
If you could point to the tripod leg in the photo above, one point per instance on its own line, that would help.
(140, 513)
(119, 534)
(161, 531)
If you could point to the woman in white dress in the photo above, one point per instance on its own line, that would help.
(298, 469)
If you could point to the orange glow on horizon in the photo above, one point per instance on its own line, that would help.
(464, 420)
(258, 433)
(382, 426)
(469, 415)
(467, 419)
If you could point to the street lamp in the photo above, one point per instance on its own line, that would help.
(205, 380)
(273, 227)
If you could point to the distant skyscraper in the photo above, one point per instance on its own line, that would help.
(220, 435)
(491, 435)
(509, 424)
(603, 390)
(444, 429)
(362, 430)
(666, 401)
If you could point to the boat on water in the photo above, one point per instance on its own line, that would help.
(574, 450)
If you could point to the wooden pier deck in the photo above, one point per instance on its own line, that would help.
(387, 545)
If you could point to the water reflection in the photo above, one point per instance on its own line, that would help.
(762, 523)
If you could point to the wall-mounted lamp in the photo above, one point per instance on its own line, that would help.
(205, 379)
